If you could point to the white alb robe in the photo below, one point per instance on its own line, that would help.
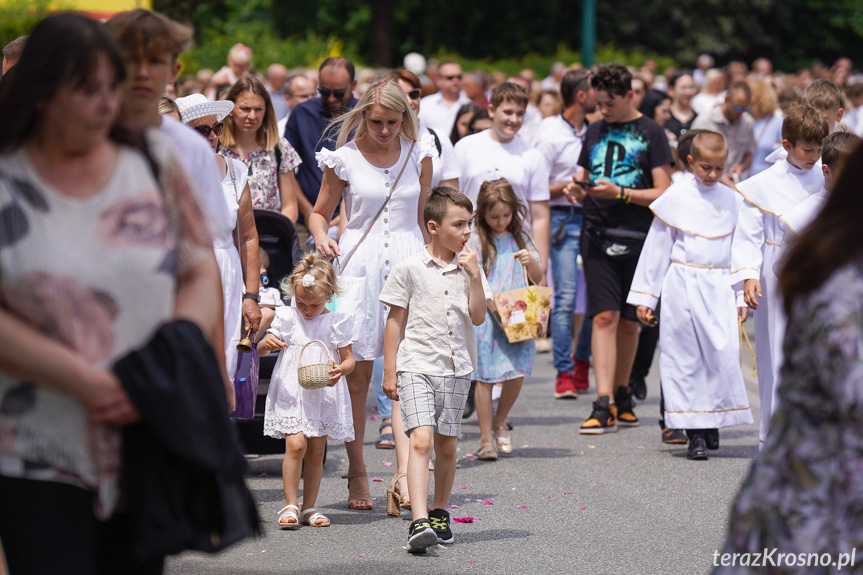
(798, 219)
(687, 259)
(755, 250)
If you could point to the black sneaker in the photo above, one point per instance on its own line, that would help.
(440, 523)
(637, 386)
(697, 448)
(421, 536)
(711, 438)
(623, 401)
(601, 419)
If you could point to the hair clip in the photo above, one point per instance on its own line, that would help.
(308, 280)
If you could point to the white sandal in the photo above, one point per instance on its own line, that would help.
(311, 517)
(289, 512)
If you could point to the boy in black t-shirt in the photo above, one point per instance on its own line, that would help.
(628, 162)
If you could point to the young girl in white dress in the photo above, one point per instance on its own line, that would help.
(305, 417)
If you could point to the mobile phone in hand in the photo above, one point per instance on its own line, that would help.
(585, 183)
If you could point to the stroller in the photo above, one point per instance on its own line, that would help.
(277, 236)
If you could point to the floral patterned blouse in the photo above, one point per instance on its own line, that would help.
(264, 174)
(804, 493)
(98, 275)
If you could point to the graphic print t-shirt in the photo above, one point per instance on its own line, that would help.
(623, 154)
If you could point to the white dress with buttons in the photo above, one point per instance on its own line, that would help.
(394, 236)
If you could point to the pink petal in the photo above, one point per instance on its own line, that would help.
(569, 492)
(361, 556)
(452, 506)
(522, 506)
(469, 455)
(262, 475)
(471, 562)
(378, 479)
(548, 496)
(373, 416)
(462, 487)
(466, 519)
(388, 463)
(487, 502)
(582, 507)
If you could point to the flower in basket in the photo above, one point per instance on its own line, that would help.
(520, 304)
(530, 315)
(536, 329)
(531, 296)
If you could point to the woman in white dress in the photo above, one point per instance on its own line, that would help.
(386, 155)
(236, 247)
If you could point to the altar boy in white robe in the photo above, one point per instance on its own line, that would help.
(756, 246)
(687, 259)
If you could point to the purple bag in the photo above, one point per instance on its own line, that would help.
(246, 383)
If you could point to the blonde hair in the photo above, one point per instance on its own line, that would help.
(384, 92)
(326, 283)
(268, 134)
(763, 97)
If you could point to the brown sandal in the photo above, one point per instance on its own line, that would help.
(356, 497)
(396, 500)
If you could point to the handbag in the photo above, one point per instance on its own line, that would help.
(353, 288)
(522, 313)
(617, 243)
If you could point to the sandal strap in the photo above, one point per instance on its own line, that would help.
(315, 515)
(287, 507)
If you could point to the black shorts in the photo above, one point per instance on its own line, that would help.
(608, 278)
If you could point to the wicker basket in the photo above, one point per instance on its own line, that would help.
(314, 375)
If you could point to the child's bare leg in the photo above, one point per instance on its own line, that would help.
(267, 315)
(403, 449)
(314, 470)
(508, 395)
(292, 466)
(482, 400)
(444, 468)
(421, 439)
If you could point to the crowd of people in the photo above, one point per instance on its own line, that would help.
(421, 194)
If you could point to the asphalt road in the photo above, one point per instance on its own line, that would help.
(623, 503)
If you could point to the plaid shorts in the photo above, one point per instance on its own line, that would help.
(436, 401)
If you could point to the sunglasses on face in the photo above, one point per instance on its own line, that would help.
(339, 94)
(216, 129)
(741, 109)
(415, 94)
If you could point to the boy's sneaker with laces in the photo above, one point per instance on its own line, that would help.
(623, 401)
(601, 419)
(582, 375)
(421, 536)
(565, 385)
(440, 523)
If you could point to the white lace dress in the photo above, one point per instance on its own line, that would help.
(312, 412)
(395, 235)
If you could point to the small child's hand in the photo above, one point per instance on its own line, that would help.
(524, 257)
(270, 343)
(467, 260)
(390, 385)
(644, 314)
(335, 374)
(751, 289)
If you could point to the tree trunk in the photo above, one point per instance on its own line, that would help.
(380, 46)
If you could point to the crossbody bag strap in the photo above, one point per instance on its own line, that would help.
(230, 164)
(380, 211)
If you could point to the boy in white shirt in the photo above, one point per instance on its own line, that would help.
(500, 153)
(758, 237)
(435, 299)
(686, 258)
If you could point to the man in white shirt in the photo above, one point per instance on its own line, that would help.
(275, 78)
(438, 110)
(559, 139)
(499, 153)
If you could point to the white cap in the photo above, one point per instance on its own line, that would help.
(416, 63)
(197, 106)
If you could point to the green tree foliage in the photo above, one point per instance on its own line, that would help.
(17, 18)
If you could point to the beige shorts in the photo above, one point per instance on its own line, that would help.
(436, 401)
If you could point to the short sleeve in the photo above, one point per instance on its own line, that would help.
(329, 159)
(341, 331)
(427, 147)
(290, 157)
(448, 161)
(283, 323)
(395, 292)
(589, 140)
(538, 190)
(660, 150)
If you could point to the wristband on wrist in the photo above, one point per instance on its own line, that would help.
(253, 296)
(619, 195)
(627, 198)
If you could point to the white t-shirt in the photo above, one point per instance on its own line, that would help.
(199, 161)
(439, 115)
(444, 165)
(560, 143)
(482, 159)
